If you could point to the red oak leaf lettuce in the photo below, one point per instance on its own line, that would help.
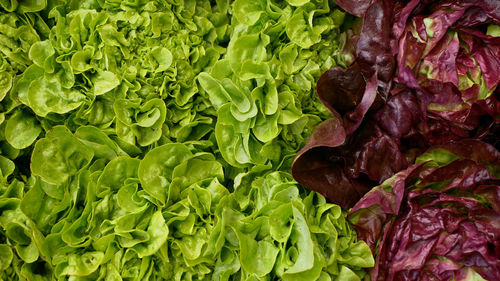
(437, 220)
(426, 73)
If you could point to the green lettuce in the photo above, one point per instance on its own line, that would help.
(110, 220)
(263, 91)
(150, 140)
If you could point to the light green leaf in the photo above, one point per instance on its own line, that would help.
(305, 245)
(80, 61)
(251, 47)
(58, 156)
(41, 53)
(155, 170)
(347, 274)
(493, 30)
(297, 2)
(249, 12)
(163, 58)
(300, 32)
(256, 257)
(217, 94)
(32, 5)
(99, 142)
(6, 256)
(83, 265)
(5, 84)
(47, 96)
(117, 172)
(157, 232)
(22, 129)
(104, 82)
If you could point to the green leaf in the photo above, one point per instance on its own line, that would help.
(163, 58)
(347, 274)
(256, 257)
(194, 170)
(266, 127)
(249, 12)
(493, 30)
(32, 5)
(28, 253)
(155, 170)
(305, 246)
(300, 31)
(359, 255)
(22, 129)
(80, 265)
(117, 172)
(37, 206)
(157, 232)
(141, 122)
(9, 5)
(6, 167)
(58, 156)
(104, 82)
(48, 96)
(129, 200)
(6, 256)
(248, 47)
(281, 223)
(5, 84)
(297, 2)
(41, 53)
(217, 94)
(438, 156)
(21, 88)
(229, 133)
(80, 61)
(99, 142)
(472, 275)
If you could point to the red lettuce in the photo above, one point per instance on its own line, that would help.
(426, 73)
(437, 220)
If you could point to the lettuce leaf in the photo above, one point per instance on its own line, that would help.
(425, 74)
(427, 221)
(149, 140)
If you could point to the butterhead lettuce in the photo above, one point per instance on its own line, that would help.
(150, 140)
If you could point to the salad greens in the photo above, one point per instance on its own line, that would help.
(412, 144)
(150, 140)
(262, 86)
(425, 74)
(167, 217)
(438, 219)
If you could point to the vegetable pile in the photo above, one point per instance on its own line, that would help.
(413, 142)
(151, 140)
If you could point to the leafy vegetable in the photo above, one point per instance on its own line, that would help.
(428, 79)
(262, 89)
(58, 156)
(412, 145)
(438, 219)
(174, 215)
(149, 140)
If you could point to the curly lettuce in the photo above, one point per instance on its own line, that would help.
(263, 87)
(149, 140)
(168, 216)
